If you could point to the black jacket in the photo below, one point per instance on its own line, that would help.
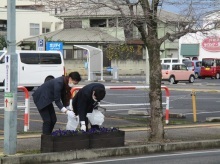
(52, 90)
(83, 102)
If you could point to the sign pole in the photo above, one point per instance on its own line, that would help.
(11, 83)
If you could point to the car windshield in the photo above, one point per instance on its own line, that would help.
(198, 64)
(165, 67)
(207, 62)
(188, 64)
(1, 53)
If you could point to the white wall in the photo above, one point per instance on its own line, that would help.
(128, 67)
(25, 17)
(3, 3)
(197, 38)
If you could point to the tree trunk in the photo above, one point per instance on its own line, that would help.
(155, 95)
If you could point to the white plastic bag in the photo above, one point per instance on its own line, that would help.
(96, 117)
(72, 123)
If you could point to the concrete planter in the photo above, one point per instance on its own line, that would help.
(104, 140)
(51, 143)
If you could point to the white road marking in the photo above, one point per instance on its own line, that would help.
(154, 156)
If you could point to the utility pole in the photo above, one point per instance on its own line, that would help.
(11, 84)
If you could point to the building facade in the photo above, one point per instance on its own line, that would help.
(102, 28)
(30, 23)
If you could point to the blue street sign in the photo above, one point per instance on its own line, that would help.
(54, 46)
(40, 43)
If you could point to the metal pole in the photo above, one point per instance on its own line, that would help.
(147, 67)
(10, 103)
(194, 105)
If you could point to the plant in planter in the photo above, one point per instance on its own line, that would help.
(67, 140)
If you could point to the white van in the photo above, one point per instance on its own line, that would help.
(35, 67)
(173, 60)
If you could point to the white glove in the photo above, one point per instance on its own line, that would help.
(83, 126)
(64, 110)
(70, 113)
(69, 107)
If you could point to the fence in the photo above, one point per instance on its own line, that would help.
(26, 107)
(167, 93)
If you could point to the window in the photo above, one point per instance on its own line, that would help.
(34, 29)
(183, 67)
(98, 23)
(3, 25)
(175, 61)
(167, 61)
(207, 62)
(72, 23)
(198, 64)
(112, 23)
(32, 58)
(79, 54)
(165, 67)
(68, 54)
(176, 67)
(1, 53)
(188, 64)
(43, 58)
(47, 58)
(217, 62)
(76, 54)
(45, 30)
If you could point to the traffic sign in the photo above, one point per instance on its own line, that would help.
(8, 102)
(7, 73)
(40, 45)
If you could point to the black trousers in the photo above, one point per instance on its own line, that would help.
(49, 118)
(92, 126)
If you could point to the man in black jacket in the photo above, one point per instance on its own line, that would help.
(56, 90)
(87, 99)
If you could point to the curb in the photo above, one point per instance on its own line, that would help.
(213, 119)
(110, 152)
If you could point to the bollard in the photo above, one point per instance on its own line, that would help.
(27, 108)
(193, 94)
(167, 93)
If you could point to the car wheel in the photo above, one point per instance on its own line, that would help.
(172, 80)
(191, 79)
(48, 78)
(196, 75)
(217, 76)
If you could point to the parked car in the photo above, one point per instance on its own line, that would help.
(34, 67)
(189, 64)
(197, 68)
(173, 60)
(175, 72)
(210, 68)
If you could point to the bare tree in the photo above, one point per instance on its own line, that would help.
(146, 16)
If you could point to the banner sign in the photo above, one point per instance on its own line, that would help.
(54, 46)
(211, 44)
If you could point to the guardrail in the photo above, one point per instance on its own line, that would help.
(26, 107)
(167, 93)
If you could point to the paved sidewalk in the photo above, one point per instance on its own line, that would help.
(182, 137)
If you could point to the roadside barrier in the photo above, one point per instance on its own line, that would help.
(167, 94)
(26, 107)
